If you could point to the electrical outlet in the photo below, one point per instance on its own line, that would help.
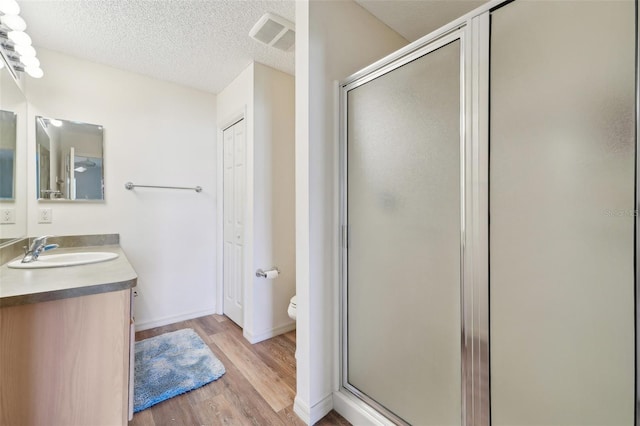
(7, 216)
(45, 216)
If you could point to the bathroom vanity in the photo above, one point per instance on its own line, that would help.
(66, 340)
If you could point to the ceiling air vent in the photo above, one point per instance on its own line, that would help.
(274, 30)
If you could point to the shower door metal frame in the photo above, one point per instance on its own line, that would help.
(635, 222)
(473, 35)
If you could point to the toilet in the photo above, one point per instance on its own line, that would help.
(292, 308)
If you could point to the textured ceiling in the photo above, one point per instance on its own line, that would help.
(203, 44)
(197, 43)
(413, 19)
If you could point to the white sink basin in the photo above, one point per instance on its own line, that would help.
(65, 259)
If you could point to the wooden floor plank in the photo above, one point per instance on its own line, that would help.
(290, 418)
(210, 325)
(267, 382)
(143, 418)
(291, 335)
(333, 419)
(234, 399)
(141, 335)
(276, 353)
(244, 396)
(219, 411)
(174, 411)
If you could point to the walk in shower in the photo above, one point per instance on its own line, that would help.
(488, 213)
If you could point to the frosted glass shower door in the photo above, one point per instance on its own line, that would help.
(403, 201)
(562, 152)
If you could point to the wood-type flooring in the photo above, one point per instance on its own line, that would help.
(258, 387)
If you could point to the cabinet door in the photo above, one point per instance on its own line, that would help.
(132, 352)
(66, 362)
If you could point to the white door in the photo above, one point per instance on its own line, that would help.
(233, 217)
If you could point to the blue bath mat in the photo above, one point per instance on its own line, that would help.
(171, 364)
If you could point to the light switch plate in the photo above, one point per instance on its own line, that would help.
(7, 216)
(45, 216)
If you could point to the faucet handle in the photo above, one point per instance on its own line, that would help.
(39, 242)
(42, 239)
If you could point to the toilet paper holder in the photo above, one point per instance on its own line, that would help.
(269, 273)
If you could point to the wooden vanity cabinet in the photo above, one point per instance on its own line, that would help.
(66, 362)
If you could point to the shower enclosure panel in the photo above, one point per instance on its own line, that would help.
(403, 215)
(562, 173)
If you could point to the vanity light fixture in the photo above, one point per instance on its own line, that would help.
(13, 22)
(86, 163)
(9, 7)
(35, 72)
(25, 50)
(19, 38)
(15, 43)
(30, 61)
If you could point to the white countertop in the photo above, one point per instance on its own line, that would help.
(22, 286)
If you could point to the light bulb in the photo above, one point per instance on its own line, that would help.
(35, 72)
(19, 38)
(9, 7)
(24, 51)
(13, 22)
(30, 61)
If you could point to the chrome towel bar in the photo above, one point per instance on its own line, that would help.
(131, 185)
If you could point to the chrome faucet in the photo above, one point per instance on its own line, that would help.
(37, 247)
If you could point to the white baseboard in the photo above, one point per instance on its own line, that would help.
(159, 322)
(357, 412)
(310, 415)
(321, 409)
(268, 334)
(302, 410)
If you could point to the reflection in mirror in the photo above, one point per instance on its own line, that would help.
(13, 159)
(69, 160)
(8, 123)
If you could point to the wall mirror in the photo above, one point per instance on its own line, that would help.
(69, 160)
(13, 159)
(8, 128)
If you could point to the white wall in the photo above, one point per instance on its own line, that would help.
(85, 143)
(334, 39)
(274, 200)
(155, 133)
(265, 97)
